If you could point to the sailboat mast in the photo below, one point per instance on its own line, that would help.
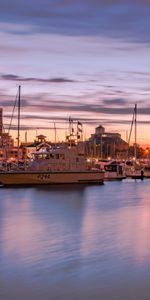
(135, 141)
(55, 132)
(19, 120)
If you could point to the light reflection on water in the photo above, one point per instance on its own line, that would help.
(75, 242)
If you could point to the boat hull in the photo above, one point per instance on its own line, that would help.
(113, 176)
(47, 178)
(136, 177)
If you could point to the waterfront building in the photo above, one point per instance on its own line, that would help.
(104, 144)
(6, 145)
(6, 140)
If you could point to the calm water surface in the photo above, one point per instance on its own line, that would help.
(76, 242)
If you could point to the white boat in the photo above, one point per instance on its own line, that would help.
(55, 166)
(134, 170)
(113, 170)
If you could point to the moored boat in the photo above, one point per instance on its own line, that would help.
(113, 170)
(55, 166)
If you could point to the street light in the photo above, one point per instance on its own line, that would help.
(147, 152)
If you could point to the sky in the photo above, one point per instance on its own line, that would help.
(88, 60)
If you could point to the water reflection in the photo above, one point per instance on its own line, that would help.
(37, 226)
(87, 236)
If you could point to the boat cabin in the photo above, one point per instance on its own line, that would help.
(60, 158)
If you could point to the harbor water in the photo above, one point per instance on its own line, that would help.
(76, 242)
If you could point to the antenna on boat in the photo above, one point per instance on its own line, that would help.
(18, 138)
(55, 132)
(79, 131)
(135, 122)
(71, 132)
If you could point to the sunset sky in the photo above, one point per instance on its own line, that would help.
(86, 59)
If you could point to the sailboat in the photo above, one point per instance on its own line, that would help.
(55, 165)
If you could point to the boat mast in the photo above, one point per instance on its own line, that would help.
(135, 141)
(134, 123)
(55, 133)
(19, 120)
